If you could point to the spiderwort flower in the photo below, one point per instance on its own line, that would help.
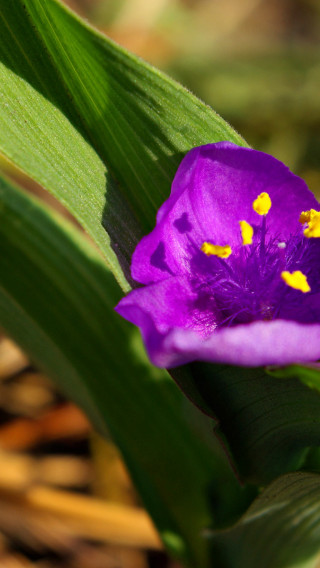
(232, 268)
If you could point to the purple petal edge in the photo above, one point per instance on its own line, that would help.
(257, 344)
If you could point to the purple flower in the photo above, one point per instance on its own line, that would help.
(232, 268)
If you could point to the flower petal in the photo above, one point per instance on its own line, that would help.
(169, 304)
(260, 343)
(164, 314)
(213, 190)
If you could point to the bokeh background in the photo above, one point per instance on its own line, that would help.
(256, 62)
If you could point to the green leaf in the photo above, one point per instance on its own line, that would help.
(268, 424)
(281, 529)
(307, 374)
(73, 103)
(56, 301)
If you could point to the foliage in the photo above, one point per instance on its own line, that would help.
(104, 132)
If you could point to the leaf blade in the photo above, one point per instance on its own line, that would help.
(115, 110)
(268, 424)
(281, 528)
(56, 301)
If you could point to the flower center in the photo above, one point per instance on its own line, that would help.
(261, 279)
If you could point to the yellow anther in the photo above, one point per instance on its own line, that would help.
(296, 280)
(262, 204)
(306, 216)
(216, 250)
(246, 232)
(312, 218)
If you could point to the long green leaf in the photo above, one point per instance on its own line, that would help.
(72, 102)
(56, 300)
(105, 132)
(281, 529)
(268, 423)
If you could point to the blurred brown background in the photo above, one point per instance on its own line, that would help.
(65, 496)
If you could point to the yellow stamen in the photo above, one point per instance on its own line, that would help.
(306, 216)
(262, 204)
(312, 218)
(246, 232)
(296, 280)
(216, 250)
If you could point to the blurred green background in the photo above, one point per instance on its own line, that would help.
(256, 62)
